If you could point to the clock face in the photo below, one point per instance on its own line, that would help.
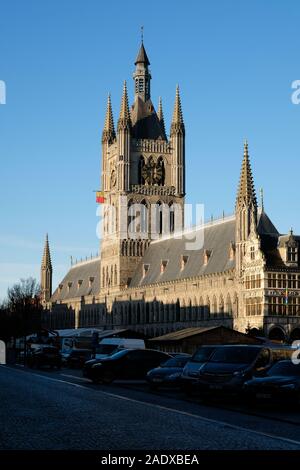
(152, 173)
(113, 179)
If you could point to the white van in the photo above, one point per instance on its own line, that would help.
(108, 346)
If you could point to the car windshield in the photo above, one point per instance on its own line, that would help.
(235, 355)
(285, 368)
(118, 354)
(203, 354)
(175, 362)
(106, 348)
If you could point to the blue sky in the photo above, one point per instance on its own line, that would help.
(234, 61)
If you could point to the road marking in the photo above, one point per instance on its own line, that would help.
(172, 410)
(75, 377)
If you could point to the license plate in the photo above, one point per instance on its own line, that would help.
(157, 380)
(263, 395)
(216, 387)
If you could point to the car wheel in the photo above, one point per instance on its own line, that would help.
(96, 380)
(153, 386)
(108, 378)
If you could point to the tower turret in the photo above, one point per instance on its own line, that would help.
(124, 131)
(46, 274)
(245, 209)
(178, 145)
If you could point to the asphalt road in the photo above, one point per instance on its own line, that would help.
(41, 410)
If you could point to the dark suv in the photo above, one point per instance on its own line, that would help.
(43, 355)
(125, 364)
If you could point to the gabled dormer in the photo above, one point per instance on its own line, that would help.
(289, 249)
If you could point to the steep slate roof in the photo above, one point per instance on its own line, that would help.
(142, 57)
(265, 225)
(80, 272)
(217, 238)
(145, 122)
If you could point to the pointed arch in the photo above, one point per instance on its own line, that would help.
(207, 307)
(214, 307)
(140, 170)
(201, 312)
(221, 306)
(228, 307)
(171, 217)
(160, 165)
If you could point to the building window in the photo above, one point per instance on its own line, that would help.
(183, 262)
(292, 254)
(145, 269)
(252, 253)
(141, 85)
(163, 266)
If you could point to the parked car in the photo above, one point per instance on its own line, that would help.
(76, 357)
(281, 383)
(231, 366)
(108, 346)
(44, 355)
(191, 371)
(169, 373)
(124, 364)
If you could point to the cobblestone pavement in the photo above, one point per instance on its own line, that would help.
(48, 411)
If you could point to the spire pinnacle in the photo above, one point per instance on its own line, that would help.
(124, 118)
(108, 133)
(177, 120)
(160, 115)
(46, 261)
(262, 203)
(246, 191)
(142, 57)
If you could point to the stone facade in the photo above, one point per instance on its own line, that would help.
(243, 274)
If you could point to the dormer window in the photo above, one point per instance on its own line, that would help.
(69, 286)
(79, 283)
(60, 287)
(292, 254)
(206, 256)
(163, 266)
(183, 262)
(145, 269)
(91, 280)
(252, 253)
(232, 251)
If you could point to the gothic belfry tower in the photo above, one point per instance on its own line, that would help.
(143, 178)
(46, 274)
(245, 209)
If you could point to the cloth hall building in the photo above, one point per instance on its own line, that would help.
(244, 274)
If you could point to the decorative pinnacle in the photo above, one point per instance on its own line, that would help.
(177, 114)
(177, 120)
(108, 133)
(124, 118)
(262, 205)
(246, 192)
(46, 261)
(160, 115)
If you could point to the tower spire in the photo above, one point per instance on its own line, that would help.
(142, 76)
(160, 115)
(108, 134)
(177, 120)
(124, 118)
(46, 274)
(246, 192)
(46, 261)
